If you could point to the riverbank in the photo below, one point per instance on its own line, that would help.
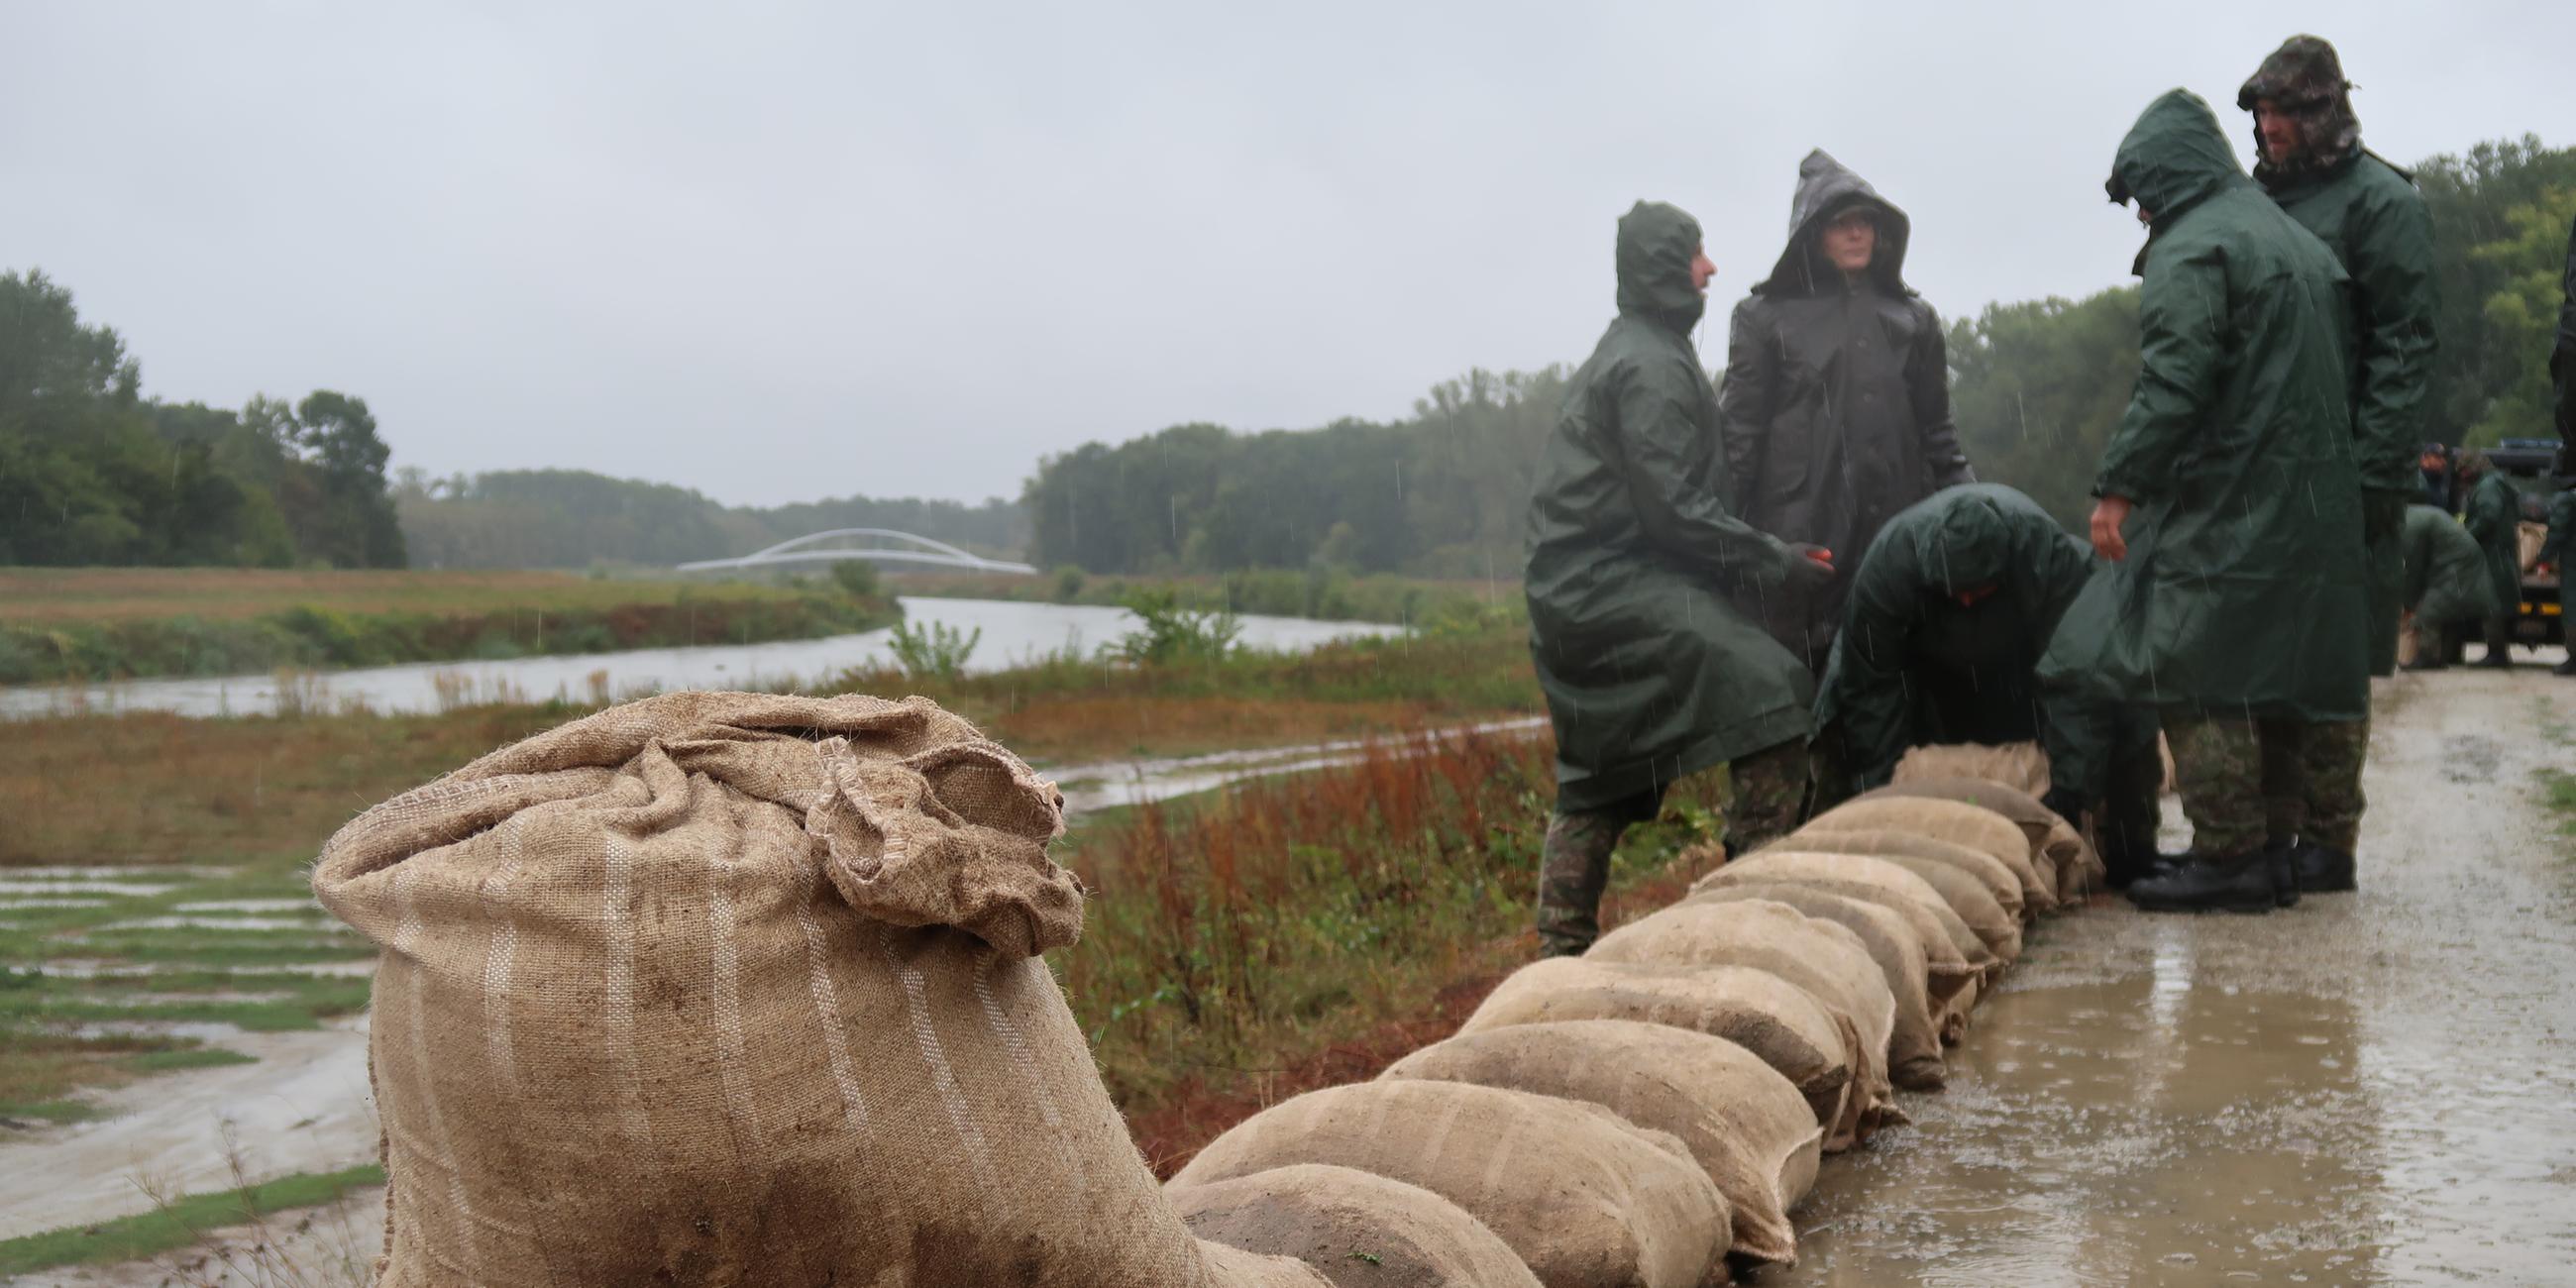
(1317, 594)
(88, 625)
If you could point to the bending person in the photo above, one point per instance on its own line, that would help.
(1649, 674)
(1950, 611)
(2446, 584)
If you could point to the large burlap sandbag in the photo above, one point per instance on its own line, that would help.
(1780, 1023)
(1914, 1049)
(2056, 847)
(1959, 963)
(1816, 955)
(1749, 1128)
(1584, 1197)
(1360, 1230)
(740, 988)
(2018, 765)
(1959, 823)
(1913, 850)
(1968, 897)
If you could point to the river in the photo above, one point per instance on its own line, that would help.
(1013, 633)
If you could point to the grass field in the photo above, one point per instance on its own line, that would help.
(92, 624)
(1330, 596)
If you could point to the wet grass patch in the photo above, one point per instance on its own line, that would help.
(178, 1222)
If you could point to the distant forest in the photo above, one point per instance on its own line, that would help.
(577, 519)
(90, 472)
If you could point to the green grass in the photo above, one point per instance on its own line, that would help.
(1273, 592)
(2559, 794)
(177, 1223)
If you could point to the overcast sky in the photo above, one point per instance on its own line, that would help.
(780, 252)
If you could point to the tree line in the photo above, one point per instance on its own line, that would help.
(92, 472)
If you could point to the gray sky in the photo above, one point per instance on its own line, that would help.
(779, 252)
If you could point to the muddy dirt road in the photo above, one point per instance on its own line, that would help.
(2370, 1088)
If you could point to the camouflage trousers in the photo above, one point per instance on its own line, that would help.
(1769, 796)
(2246, 782)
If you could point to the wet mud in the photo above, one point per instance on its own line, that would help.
(2369, 1088)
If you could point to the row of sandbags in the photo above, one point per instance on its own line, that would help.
(1649, 1113)
(747, 988)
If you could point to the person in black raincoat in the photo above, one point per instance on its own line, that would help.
(2494, 517)
(1950, 609)
(1649, 674)
(2562, 364)
(2556, 551)
(2370, 215)
(1836, 407)
(2237, 601)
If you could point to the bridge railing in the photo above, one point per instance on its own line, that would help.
(813, 548)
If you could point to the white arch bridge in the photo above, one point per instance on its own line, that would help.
(890, 547)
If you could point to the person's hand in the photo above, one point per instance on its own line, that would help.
(1810, 565)
(2108, 514)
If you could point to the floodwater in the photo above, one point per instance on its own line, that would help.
(1013, 633)
(2370, 1088)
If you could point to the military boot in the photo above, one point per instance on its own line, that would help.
(2211, 883)
(2321, 869)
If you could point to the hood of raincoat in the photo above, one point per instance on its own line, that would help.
(2304, 78)
(2174, 158)
(1827, 188)
(1657, 243)
(1971, 546)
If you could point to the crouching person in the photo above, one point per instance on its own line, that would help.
(1950, 611)
(1649, 673)
(2445, 585)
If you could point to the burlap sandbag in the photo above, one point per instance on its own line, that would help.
(1914, 1047)
(1965, 895)
(1959, 823)
(1358, 1229)
(2019, 765)
(741, 988)
(1584, 1197)
(2056, 847)
(1779, 1022)
(1748, 1127)
(1914, 850)
(1924, 910)
(1959, 962)
(1818, 956)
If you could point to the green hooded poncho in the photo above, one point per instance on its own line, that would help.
(1649, 673)
(2562, 357)
(2446, 573)
(2494, 518)
(1913, 665)
(2244, 592)
(2368, 213)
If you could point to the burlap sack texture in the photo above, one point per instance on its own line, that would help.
(1914, 1059)
(1958, 823)
(1924, 855)
(1965, 896)
(1747, 1126)
(1357, 1229)
(1586, 1198)
(1818, 956)
(722, 988)
(1963, 963)
(2021, 766)
(2056, 847)
(1783, 1025)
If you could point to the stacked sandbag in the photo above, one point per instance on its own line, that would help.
(2054, 843)
(1746, 1125)
(1585, 1198)
(1948, 973)
(1358, 1229)
(1958, 823)
(742, 988)
(2021, 766)
(1781, 1024)
(1904, 962)
(1827, 960)
(1967, 897)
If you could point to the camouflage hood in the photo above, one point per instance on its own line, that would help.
(2304, 79)
(1827, 188)
(1656, 245)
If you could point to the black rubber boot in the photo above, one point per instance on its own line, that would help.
(2322, 869)
(2567, 667)
(2232, 883)
(2499, 645)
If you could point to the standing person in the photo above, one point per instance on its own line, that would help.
(1950, 610)
(2446, 583)
(2495, 518)
(2562, 364)
(2230, 509)
(1649, 673)
(2556, 551)
(1836, 408)
(2368, 213)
